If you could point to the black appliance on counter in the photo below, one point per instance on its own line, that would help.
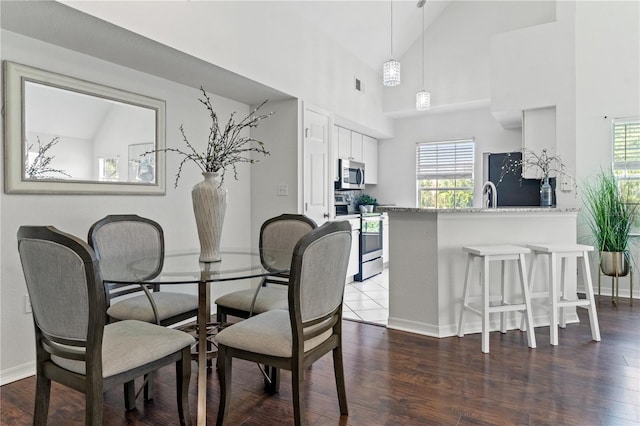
(513, 190)
(370, 246)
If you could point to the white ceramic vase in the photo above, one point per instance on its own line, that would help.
(209, 206)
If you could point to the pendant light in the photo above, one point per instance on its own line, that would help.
(423, 98)
(391, 68)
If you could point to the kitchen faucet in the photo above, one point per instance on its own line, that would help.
(490, 189)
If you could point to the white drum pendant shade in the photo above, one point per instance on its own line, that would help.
(391, 73)
(423, 100)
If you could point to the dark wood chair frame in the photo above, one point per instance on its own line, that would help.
(113, 290)
(92, 384)
(299, 360)
(279, 279)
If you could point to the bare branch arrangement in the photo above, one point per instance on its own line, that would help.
(40, 164)
(544, 165)
(225, 145)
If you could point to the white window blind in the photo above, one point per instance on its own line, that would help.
(445, 160)
(626, 148)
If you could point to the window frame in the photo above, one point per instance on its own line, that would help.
(631, 157)
(427, 169)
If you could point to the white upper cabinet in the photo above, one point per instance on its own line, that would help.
(344, 143)
(356, 147)
(349, 144)
(370, 159)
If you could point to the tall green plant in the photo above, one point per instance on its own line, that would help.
(610, 214)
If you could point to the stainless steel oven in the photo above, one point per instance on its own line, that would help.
(370, 246)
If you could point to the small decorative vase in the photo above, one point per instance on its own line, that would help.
(546, 197)
(209, 206)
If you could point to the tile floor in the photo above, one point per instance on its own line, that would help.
(368, 301)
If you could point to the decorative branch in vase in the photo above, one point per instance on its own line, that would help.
(37, 168)
(544, 165)
(226, 146)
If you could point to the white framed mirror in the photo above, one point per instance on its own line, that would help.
(70, 136)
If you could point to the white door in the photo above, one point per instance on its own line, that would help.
(316, 165)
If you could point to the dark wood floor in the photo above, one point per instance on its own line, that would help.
(397, 378)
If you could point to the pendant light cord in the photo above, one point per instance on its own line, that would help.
(423, 47)
(391, 4)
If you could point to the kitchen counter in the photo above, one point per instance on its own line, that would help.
(427, 265)
(498, 210)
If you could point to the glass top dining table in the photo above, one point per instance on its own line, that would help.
(184, 267)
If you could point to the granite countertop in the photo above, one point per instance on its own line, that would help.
(481, 210)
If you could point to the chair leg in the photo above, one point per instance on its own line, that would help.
(94, 397)
(224, 375)
(183, 374)
(553, 284)
(484, 279)
(532, 270)
(593, 314)
(43, 393)
(526, 294)
(505, 299)
(562, 294)
(149, 385)
(129, 395)
(272, 384)
(297, 379)
(465, 297)
(338, 371)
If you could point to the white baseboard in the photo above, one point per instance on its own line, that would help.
(17, 373)
(471, 326)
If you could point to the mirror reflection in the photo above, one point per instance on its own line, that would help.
(75, 136)
(71, 136)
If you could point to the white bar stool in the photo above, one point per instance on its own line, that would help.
(557, 298)
(488, 253)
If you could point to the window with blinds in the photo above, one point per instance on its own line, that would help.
(444, 174)
(626, 156)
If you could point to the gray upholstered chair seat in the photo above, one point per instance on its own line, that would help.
(139, 308)
(129, 344)
(269, 298)
(267, 333)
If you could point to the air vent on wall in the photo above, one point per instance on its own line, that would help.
(358, 84)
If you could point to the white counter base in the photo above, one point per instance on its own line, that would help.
(427, 264)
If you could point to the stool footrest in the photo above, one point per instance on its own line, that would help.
(497, 308)
(579, 302)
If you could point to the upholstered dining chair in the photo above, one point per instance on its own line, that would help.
(280, 233)
(294, 339)
(119, 241)
(74, 346)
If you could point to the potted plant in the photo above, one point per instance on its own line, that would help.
(610, 218)
(366, 203)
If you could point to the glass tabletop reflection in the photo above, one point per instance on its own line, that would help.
(184, 267)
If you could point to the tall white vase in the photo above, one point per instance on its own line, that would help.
(209, 206)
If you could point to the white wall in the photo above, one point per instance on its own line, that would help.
(280, 167)
(607, 57)
(295, 58)
(75, 213)
(397, 168)
(457, 52)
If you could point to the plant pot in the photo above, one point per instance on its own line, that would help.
(209, 206)
(614, 264)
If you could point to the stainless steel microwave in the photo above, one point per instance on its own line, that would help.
(350, 175)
